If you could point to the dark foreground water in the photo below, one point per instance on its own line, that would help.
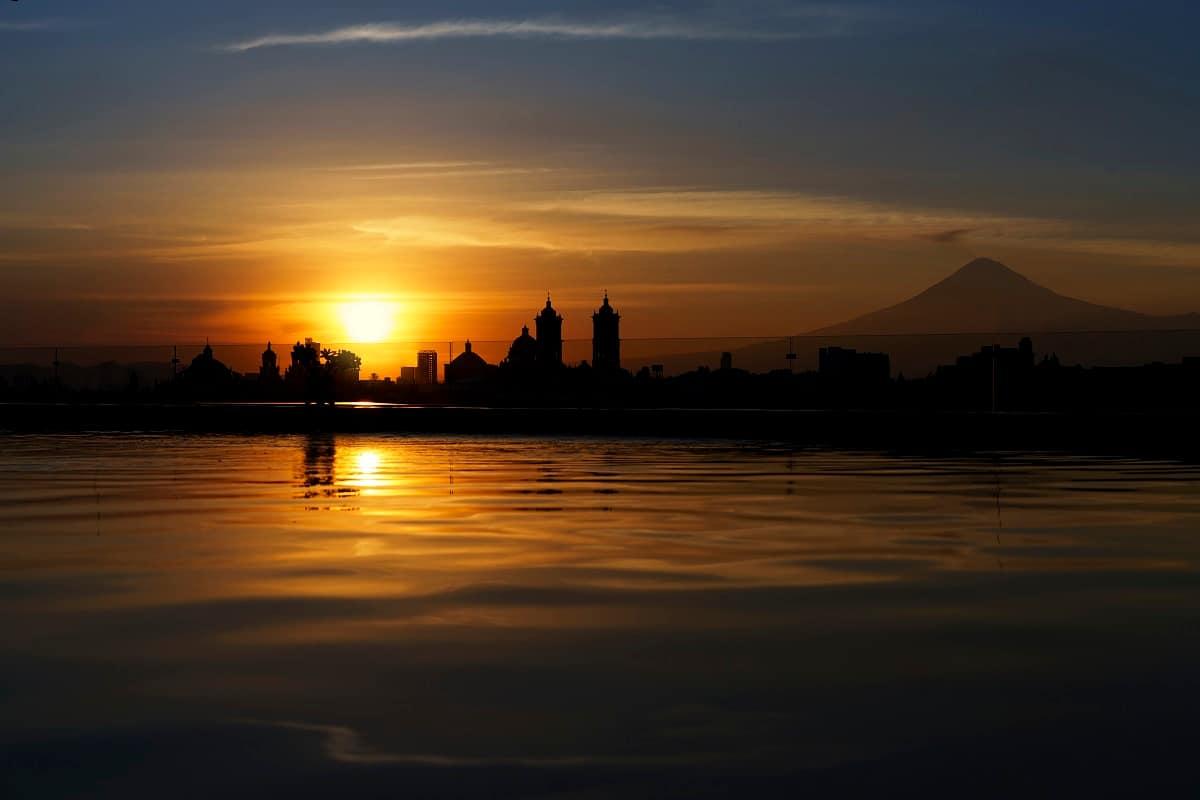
(426, 617)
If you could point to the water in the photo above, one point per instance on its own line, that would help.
(387, 616)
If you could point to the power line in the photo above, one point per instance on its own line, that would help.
(718, 338)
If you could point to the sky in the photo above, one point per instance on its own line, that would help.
(276, 169)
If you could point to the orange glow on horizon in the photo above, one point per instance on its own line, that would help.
(368, 321)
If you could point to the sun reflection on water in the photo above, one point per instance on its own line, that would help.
(621, 595)
(367, 470)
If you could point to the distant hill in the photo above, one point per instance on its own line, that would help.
(106, 376)
(984, 302)
(986, 296)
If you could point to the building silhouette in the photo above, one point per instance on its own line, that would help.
(427, 367)
(847, 365)
(522, 353)
(549, 337)
(467, 366)
(206, 376)
(269, 371)
(606, 337)
(305, 357)
(1007, 359)
(305, 376)
(995, 376)
(344, 366)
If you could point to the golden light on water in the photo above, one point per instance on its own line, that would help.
(368, 321)
(366, 470)
(367, 462)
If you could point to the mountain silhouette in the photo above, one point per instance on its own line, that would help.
(986, 296)
(984, 303)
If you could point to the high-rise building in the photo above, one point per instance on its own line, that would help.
(606, 337)
(427, 372)
(549, 336)
(408, 375)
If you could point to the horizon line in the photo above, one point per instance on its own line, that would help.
(770, 338)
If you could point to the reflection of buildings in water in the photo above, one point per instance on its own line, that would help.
(999, 521)
(319, 450)
(318, 476)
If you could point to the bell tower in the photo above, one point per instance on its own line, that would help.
(606, 337)
(549, 336)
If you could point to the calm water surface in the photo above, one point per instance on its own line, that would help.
(392, 616)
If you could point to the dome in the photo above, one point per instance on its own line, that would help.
(523, 349)
(206, 370)
(467, 366)
(468, 358)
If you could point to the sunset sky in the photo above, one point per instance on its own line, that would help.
(245, 170)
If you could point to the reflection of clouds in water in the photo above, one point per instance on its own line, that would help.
(344, 745)
(679, 611)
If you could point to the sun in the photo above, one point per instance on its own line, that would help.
(367, 321)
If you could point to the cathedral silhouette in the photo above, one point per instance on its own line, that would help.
(544, 350)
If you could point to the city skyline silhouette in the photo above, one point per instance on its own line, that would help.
(602, 399)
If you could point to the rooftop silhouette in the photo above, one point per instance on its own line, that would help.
(987, 374)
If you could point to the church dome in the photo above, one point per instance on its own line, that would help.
(468, 358)
(523, 349)
(206, 371)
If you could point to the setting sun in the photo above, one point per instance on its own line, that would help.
(368, 321)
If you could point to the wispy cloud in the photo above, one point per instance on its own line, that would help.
(692, 220)
(407, 165)
(452, 173)
(952, 236)
(410, 170)
(801, 23)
